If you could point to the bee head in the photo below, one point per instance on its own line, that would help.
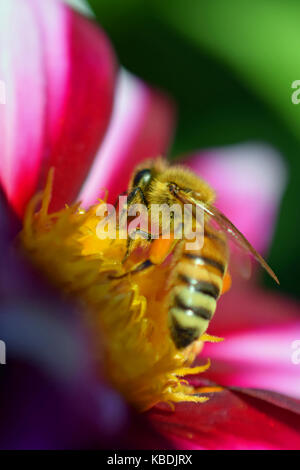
(162, 182)
(182, 179)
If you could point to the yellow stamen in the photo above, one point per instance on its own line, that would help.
(128, 315)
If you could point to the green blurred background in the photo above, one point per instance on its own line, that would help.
(229, 65)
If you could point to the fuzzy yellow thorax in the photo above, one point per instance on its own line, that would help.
(128, 316)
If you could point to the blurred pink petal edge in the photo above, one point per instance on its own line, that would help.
(141, 127)
(259, 359)
(81, 5)
(60, 68)
(23, 110)
(249, 180)
(260, 349)
(68, 107)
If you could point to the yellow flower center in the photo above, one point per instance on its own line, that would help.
(127, 315)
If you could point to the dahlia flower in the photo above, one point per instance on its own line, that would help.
(85, 354)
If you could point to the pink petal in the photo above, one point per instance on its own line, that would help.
(249, 180)
(259, 349)
(22, 116)
(243, 419)
(141, 127)
(80, 5)
(59, 74)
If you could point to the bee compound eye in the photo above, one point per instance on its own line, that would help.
(142, 177)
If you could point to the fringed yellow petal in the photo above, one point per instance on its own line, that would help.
(211, 339)
(177, 397)
(192, 370)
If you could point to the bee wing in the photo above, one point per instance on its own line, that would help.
(230, 229)
(240, 258)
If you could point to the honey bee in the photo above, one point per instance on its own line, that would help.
(198, 275)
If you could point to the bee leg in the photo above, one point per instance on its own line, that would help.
(137, 191)
(141, 267)
(136, 195)
(131, 240)
(145, 264)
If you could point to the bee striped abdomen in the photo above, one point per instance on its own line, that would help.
(195, 289)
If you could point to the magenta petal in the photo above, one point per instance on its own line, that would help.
(86, 110)
(249, 180)
(59, 73)
(259, 349)
(141, 127)
(243, 419)
(22, 116)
